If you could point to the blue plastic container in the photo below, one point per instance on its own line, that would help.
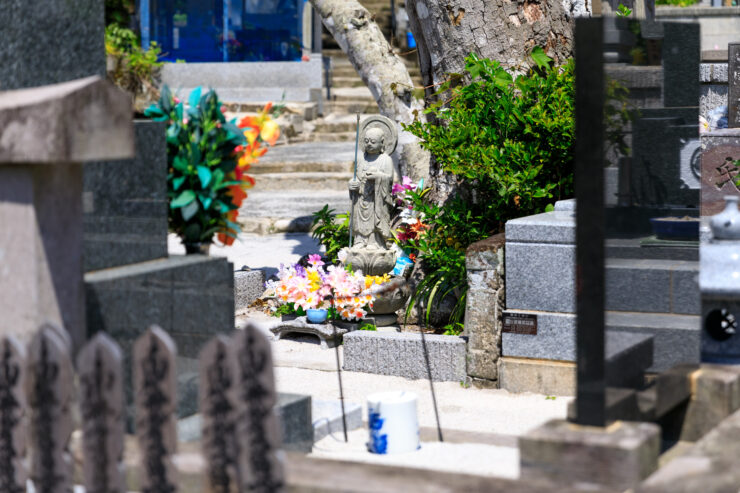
(410, 41)
(316, 316)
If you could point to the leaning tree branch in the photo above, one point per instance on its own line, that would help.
(382, 71)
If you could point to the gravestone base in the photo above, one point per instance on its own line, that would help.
(293, 412)
(540, 376)
(191, 297)
(248, 286)
(328, 334)
(402, 355)
(715, 396)
(620, 455)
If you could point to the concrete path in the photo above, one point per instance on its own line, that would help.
(480, 426)
(257, 251)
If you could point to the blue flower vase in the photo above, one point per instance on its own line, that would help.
(316, 316)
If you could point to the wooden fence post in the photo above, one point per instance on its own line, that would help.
(99, 366)
(260, 467)
(154, 393)
(218, 412)
(49, 379)
(13, 471)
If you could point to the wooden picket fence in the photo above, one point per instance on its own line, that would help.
(240, 436)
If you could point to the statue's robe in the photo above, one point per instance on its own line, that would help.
(374, 201)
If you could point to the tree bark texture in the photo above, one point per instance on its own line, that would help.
(382, 71)
(505, 30)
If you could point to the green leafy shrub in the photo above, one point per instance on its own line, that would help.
(676, 3)
(330, 230)
(511, 139)
(510, 142)
(134, 69)
(369, 327)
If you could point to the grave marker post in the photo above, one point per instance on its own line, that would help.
(49, 381)
(260, 466)
(13, 471)
(99, 366)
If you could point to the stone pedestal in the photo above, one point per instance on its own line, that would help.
(47, 133)
(484, 261)
(619, 456)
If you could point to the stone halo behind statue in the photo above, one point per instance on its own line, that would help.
(387, 126)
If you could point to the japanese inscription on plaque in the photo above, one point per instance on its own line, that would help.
(520, 323)
(733, 80)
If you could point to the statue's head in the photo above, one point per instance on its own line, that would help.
(374, 140)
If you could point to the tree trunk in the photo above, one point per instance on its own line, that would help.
(503, 30)
(382, 71)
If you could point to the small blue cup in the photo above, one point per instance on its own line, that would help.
(316, 316)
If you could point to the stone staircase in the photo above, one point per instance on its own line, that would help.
(312, 166)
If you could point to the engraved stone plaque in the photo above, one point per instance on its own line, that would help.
(520, 323)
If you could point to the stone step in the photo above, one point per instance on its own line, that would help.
(314, 152)
(260, 168)
(675, 337)
(340, 81)
(288, 211)
(303, 180)
(348, 136)
(341, 61)
(337, 123)
(352, 94)
(352, 107)
(345, 73)
(652, 285)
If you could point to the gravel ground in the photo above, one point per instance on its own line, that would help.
(466, 458)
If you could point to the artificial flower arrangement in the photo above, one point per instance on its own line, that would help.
(208, 158)
(406, 195)
(336, 288)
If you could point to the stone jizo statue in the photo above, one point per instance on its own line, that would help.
(372, 201)
(371, 193)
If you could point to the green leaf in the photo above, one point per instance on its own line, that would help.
(206, 201)
(204, 174)
(190, 210)
(180, 163)
(177, 182)
(194, 98)
(185, 198)
(539, 57)
(549, 208)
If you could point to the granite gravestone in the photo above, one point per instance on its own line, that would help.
(48, 41)
(733, 81)
(47, 133)
(125, 203)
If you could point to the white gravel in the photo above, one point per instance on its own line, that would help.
(466, 458)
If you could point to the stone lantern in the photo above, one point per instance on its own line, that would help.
(719, 283)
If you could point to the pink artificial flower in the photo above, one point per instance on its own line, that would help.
(315, 260)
